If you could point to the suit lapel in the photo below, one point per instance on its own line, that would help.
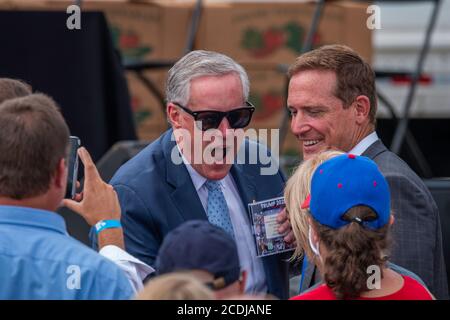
(245, 185)
(184, 195)
(308, 277)
(248, 194)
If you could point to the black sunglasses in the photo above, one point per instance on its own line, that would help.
(210, 119)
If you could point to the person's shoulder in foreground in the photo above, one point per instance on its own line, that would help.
(39, 260)
(411, 290)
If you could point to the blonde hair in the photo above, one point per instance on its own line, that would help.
(298, 187)
(175, 286)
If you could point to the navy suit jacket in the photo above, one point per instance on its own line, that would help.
(157, 195)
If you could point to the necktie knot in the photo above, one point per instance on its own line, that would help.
(212, 185)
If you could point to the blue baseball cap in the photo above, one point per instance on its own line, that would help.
(199, 245)
(344, 182)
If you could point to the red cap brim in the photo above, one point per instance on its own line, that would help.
(305, 204)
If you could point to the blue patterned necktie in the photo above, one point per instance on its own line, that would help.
(217, 209)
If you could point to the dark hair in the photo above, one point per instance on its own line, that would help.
(354, 76)
(33, 139)
(350, 251)
(11, 88)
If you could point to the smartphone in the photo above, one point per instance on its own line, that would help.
(72, 176)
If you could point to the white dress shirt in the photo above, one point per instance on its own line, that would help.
(364, 144)
(135, 270)
(256, 279)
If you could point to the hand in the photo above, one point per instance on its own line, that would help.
(98, 201)
(285, 227)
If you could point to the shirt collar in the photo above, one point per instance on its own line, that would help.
(364, 144)
(32, 217)
(197, 179)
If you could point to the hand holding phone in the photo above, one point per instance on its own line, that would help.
(98, 200)
(72, 176)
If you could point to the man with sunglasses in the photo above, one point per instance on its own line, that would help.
(184, 175)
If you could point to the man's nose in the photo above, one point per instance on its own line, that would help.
(299, 125)
(224, 126)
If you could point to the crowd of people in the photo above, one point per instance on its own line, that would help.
(363, 224)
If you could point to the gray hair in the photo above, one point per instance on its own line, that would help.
(197, 64)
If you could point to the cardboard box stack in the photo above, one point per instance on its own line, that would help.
(145, 32)
(258, 34)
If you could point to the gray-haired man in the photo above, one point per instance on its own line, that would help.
(159, 190)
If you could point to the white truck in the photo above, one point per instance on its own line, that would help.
(396, 47)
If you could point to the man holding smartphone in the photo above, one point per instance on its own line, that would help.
(35, 249)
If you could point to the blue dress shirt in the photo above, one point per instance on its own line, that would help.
(39, 260)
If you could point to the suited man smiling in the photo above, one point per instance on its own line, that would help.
(205, 91)
(332, 101)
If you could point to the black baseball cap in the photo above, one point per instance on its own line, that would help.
(199, 245)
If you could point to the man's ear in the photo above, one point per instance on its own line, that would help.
(391, 220)
(314, 237)
(60, 178)
(362, 109)
(174, 115)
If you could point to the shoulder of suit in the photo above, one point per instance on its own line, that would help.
(390, 163)
(394, 169)
(149, 161)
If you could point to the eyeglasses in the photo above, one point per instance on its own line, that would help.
(210, 119)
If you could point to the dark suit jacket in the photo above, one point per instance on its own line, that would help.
(417, 237)
(156, 196)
